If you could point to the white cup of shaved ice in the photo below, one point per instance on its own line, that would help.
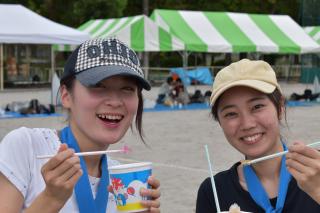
(127, 180)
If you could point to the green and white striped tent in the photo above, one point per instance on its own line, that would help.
(314, 32)
(235, 32)
(138, 32)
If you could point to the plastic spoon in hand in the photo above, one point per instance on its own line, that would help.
(249, 162)
(124, 150)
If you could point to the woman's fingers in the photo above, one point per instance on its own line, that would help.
(110, 189)
(151, 203)
(63, 169)
(71, 182)
(61, 156)
(300, 162)
(302, 149)
(154, 193)
(153, 182)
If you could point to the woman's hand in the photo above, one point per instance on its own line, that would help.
(303, 163)
(61, 174)
(154, 193)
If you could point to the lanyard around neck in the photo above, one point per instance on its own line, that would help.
(84, 197)
(258, 193)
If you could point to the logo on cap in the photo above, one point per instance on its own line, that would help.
(106, 52)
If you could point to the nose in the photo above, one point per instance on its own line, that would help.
(113, 98)
(248, 122)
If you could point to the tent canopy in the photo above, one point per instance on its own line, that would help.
(314, 32)
(235, 32)
(21, 25)
(138, 32)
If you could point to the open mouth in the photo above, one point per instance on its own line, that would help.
(252, 138)
(110, 118)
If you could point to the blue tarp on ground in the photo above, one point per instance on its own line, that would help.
(194, 106)
(204, 106)
(18, 115)
(201, 74)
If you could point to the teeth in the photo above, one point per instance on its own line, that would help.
(110, 117)
(252, 138)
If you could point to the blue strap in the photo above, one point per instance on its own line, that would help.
(83, 191)
(258, 193)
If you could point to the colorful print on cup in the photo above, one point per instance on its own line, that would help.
(127, 180)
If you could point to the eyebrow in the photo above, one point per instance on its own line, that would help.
(249, 101)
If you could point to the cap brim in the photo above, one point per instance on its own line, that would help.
(94, 75)
(261, 86)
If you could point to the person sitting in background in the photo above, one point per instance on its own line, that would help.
(207, 96)
(197, 97)
(180, 93)
(165, 91)
(307, 96)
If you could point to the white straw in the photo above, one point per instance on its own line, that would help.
(249, 162)
(84, 153)
(213, 184)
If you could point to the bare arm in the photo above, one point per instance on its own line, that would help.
(11, 199)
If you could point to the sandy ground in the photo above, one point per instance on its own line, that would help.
(176, 140)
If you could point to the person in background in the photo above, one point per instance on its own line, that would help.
(248, 103)
(165, 91)
(197, 97)
(101, 88)
(180, 94)
(306, 96)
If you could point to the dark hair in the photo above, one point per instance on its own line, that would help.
(169, 80)
(69, 83)
(276, 98)
(179, 80)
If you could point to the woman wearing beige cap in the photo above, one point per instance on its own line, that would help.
(249, 106)
(101, 88)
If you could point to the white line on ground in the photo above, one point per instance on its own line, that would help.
(167, 165)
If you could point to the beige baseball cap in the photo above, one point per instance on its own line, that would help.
(258, 75)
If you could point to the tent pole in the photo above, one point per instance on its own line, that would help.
(146, 64)
(1, 67)
(51, 73)
(184, 55)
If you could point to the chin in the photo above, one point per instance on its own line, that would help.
(112, 139)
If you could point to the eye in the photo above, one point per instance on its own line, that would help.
(258, 106)
(230, 115)
(128, 89)
(97, 86)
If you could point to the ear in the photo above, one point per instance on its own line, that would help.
(66, 98)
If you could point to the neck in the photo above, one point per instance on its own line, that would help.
(268, 169)
(268, 172)
(87, 145)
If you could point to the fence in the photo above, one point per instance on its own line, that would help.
(157, 75)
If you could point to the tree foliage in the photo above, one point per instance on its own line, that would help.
(75, 12)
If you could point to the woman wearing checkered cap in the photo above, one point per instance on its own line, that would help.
(247, 102)
(101, 88)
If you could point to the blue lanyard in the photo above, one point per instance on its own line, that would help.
(83, 191)
(258, 193)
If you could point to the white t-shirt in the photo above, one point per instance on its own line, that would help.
(18, 162)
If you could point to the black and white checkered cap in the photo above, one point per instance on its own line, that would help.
(98, 59)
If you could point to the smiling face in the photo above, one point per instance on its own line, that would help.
(250, 121)
(102, 114)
